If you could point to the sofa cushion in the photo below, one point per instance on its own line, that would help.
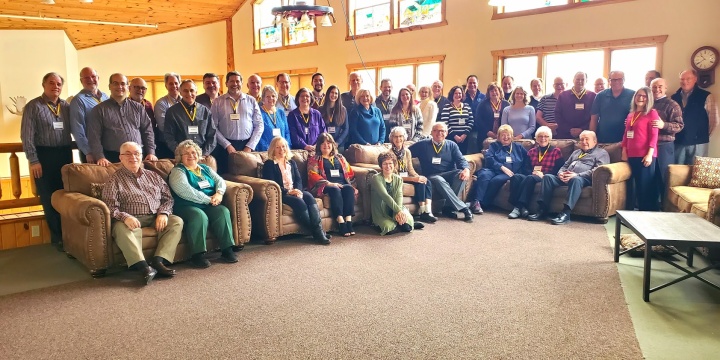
(614, 150)
(78, 177)
(700, 209)
(566, 146)
(706, 173)
(244, 163)
(684, 197)
(96, 190)
(367, 154)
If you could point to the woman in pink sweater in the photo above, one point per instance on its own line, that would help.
(638, 148)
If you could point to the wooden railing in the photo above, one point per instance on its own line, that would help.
(18, 200)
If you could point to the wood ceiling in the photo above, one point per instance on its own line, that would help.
(170, 15)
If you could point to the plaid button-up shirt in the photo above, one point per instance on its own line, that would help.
(145, 193)
(551, 162)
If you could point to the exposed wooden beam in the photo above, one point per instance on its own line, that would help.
(229, 45)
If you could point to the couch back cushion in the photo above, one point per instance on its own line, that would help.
(365, 154)
(614, 150)
(706, 173)
(79, 177)
(244, 163)
(566, 146)
(163, 166)
(526, 143)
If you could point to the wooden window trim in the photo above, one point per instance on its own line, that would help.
(376, 65)
(395, 29)
(608, 46)
(550, 9)
(305, 71)
(285, 36)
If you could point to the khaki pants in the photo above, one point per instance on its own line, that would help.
(130, 241)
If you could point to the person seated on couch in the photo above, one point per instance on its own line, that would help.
(198, 191)
(443, 164)
(140, 198)
(404, 168)
(576, 173)
(503, 160)
(386, 199)
(544, 159)
(330, 174)
(282, 169)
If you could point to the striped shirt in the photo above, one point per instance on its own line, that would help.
(80, 109)
(413, 124)
(112, 124)
(459, 122)
(39, 128)
(145, 193)
(249, 127)
(547, 106)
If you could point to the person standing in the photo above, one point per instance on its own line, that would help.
(275, 124)
(349, 98)
(211, 84)
(335, 116)
(172, 84)
(385, 102)
(670, 123)
(286, 102)
(138, 88)
(610, 108)
(440, 99)
(80, 109)
(700, 116)
(536, 86)
(508, 84)
(487, 114)
(519, 115)
(428, 108)
(366, 123)
(45, 135)
(318, 97)
(406, 115)
(459, 118)
(572, 111)
(638, 148)
(305, 123)
(254, 85)
(190, 120)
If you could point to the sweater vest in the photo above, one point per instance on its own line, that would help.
(697, 128)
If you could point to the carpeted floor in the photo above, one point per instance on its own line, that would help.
(494, 289)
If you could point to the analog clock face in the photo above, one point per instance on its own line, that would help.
(705, 59)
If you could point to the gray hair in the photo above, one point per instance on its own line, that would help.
(172, 74)
(184, 145)
(399, 130)
(544, 130)
(589, 132)
(130, 143)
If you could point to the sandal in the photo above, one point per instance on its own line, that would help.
(343, 229)
(350, 228)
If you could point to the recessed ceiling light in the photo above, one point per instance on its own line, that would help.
(48, 2)
(86, 1)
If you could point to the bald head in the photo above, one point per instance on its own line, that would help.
(659, 88)
(89, 79)
(688, 79)
(138, 88)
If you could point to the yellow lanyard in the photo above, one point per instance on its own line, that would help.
(234, 105)
(542, 156)
(307, 120)
(383, 105)
(321, 102)
(192, 117)
(332, 161)
(579, 96)
(401, 165)
(56, 110)
(406, 115)
(637, 116)
(496, 107)
(96, 99)
(437, 150)
(285, 103)
(510, 152)
(273, 114)
(582, 155)
(459, 109)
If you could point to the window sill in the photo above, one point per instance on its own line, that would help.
(288, 47)
(552, 9)
(397, 31)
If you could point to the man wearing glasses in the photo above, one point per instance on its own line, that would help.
(572, 111)
(140, 198)
(545, 114)
(138, 88)
(116, 121)
(190, 120)
(610, 108)
(80, 109)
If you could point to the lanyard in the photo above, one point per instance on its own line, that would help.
(459, 109)
(637, 116)
(285, 103)
(406, 115)
(384, 105)
(273, 114)
(307, 120)
(542, 156)
(321, 102)
(331, 160)
(509, 152)
(96, 99)
(437, 150)
(580, 95)
(401, 165)
(171, 100)
(192, 117)
(582, 155)
(495, 107)
(234, 104)
(331, 116)
(56, 110)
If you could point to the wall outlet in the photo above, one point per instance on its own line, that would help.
(35, 231)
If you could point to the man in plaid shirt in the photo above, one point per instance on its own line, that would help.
(140, 198)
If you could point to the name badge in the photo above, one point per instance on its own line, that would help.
(386, 117)
(407, 126)
(403, 174)
(537, 168)
(276, 132)
(572, 165)
(508, 159)
(307, 131)
(204, 184)
(496, 115)
(436, 160)
(335, 173)
(192, 130)
(461, 121)
(58, 125)
(630, 134)
(579, 106)
(331, 129)
(235, 117)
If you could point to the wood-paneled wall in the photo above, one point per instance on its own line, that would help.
(16, 225)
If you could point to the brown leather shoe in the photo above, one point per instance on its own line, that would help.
(147, 274)
(163, 270)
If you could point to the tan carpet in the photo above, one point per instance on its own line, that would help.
(494, 289)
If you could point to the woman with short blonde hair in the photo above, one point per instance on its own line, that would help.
(367, 126)
(275, 122)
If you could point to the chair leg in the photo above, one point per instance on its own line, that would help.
(96, 274)
(270, 241)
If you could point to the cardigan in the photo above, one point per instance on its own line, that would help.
(316, 173)
(304, 134)
(186, 189)
(281, 123)
(271, 171)
(413, 124)
(407, 162)
(366, 126)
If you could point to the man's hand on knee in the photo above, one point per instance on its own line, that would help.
(161, 222)
(132, 222)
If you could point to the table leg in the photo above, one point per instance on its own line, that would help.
(618, 224)
(646, 272)
(690, 255)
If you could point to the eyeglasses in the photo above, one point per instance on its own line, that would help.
(134, 154)
(398, 136)
(619, 79)
(641, 96)
(139, 88)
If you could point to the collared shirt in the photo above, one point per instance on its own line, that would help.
(145, 193)
(161, 107)
(385, 106)
(611, 112)
(547, 106)
(204, 99)
(249, 126)
(41, 126)
(190, 122)
(112, 124)
(317, 101)
(473, 103)
(80, 109)
(584, 163)
(286, 103)
(348, 101)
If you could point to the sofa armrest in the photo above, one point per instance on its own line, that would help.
(679, 175)
(612, 173)
(475, 161)
(237, 199)
(609, 190)
(86, 226)
(366, 166)
(266, 205)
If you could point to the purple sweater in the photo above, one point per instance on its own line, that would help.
(568, 112)
(303, 134)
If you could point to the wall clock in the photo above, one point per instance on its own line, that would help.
(704, 60)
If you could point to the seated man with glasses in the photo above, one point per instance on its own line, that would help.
(140, 198)
(610, 108)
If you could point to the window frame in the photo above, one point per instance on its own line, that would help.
(394, 21)
(285, 34)
(153, 81)
(295, 72)
(574, 4)
(415, 62)
(607, 46)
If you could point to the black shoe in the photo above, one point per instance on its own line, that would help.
(321, 237)
(468, 215)
(561, 219)
(426, 217)
(157, 263)
(147, 274)
(228, 255)
(199, 261)
(343, 229)
(524, 212)
(404, 227)
(418, 225)
(449, 212)
(58, 246)
(350, 227)
(538, 216)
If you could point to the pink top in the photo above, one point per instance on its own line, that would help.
(643, 135)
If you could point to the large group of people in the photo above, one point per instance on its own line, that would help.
(437, 128)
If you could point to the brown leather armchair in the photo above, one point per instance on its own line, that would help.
(271, 218)
(86, 221)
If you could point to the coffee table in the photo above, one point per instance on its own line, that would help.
(676, 229)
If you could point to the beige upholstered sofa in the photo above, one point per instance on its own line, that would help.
(271, 218)
(86, 221)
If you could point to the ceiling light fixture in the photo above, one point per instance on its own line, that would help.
(94, 22)
(303, 15)
(86, 1)
(48, 2)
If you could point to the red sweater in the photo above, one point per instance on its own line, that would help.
(645, 136)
